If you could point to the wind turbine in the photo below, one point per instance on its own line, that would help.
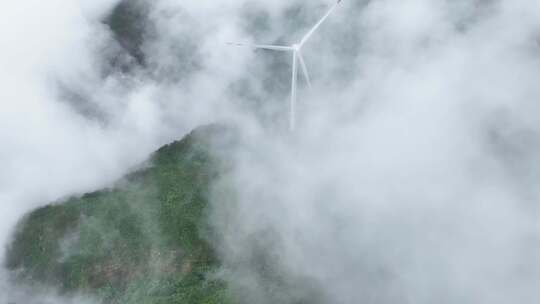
(297, 57)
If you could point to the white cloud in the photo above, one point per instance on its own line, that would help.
(412, 175)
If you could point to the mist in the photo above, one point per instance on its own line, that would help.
(73, 119)
(411, 177)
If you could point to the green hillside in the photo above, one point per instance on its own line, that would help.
(142, 241)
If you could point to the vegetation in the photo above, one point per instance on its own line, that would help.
(129, 24)
(143, 241)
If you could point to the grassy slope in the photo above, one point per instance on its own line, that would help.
(139, 242)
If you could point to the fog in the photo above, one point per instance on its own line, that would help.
(411, 177)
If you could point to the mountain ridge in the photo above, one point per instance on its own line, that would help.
(144, 240)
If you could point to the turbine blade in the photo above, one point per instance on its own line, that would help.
(264, 46)
(304, 68)
(310, 33)
(293, 93)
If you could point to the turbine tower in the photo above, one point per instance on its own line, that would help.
(296, 50)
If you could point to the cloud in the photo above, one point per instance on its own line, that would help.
(399, 186)
(411, 177)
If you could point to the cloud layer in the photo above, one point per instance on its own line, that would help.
(411, 177)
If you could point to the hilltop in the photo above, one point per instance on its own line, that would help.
(144, 240)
